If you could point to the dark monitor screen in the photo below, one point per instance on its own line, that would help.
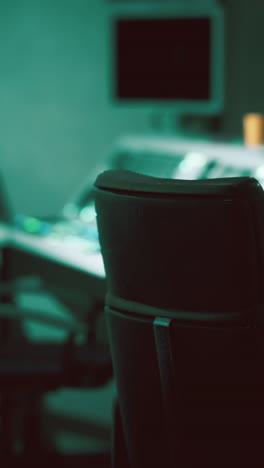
(163, 59)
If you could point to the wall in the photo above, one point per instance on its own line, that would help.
(244, 62)
(55, 118)
(57, 121)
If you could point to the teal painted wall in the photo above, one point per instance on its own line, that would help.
(57, 121)
(55, 115)
(244, 62)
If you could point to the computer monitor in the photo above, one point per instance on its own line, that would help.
(169, 56)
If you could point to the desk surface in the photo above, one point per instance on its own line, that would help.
(65, 253)
(4, 235)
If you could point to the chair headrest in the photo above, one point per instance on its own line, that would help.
(127, 181)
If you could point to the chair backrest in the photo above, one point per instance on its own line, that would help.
(184, 265)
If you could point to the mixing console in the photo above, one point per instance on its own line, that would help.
(187, 159)
(160, 157)
(80, 231)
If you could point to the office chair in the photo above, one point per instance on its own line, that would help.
(29, 370)
(184, 265)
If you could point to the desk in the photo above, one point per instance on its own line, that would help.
(63, 253)
(4, 235)
(72, 268)
(60, 265)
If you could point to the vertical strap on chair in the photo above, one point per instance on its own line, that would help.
(170, 395)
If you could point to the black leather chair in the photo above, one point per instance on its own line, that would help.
(184, 265)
